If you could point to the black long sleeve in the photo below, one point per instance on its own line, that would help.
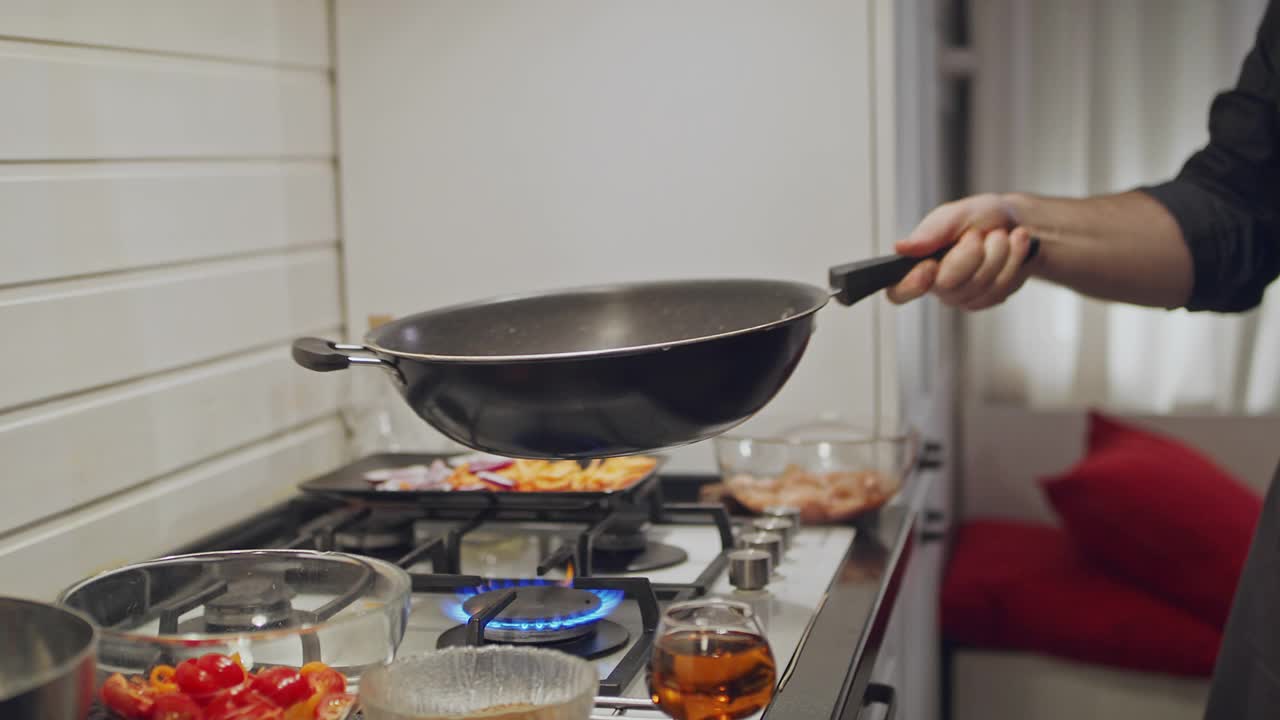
(1226, 198)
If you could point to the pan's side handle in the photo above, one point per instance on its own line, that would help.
(856, 280)
(323, 355)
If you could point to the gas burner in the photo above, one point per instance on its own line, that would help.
(248, 604)
(377, 534)
(603, 638)
(541, 612)
(256, 603)
(650, 556)
(632, 539)
(624, 547)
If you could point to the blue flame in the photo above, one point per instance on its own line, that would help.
(609, 601)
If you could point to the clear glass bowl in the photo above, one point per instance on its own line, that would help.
(495, 682)
(829, 469)
(273, 607)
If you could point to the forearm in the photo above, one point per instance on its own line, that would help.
(1124, 247)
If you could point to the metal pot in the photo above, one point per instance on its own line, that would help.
(47, 660)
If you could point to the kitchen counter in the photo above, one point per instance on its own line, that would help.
(830, 674)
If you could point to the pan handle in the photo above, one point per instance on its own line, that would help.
(323, 355)
(856, 280)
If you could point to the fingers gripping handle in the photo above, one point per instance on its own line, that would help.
(856, 280)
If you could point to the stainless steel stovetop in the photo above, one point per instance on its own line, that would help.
(785, 607)
(447, 554)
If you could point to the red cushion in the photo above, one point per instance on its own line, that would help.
(1155, 512)
(1014, 586)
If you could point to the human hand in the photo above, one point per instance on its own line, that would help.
(986, 262)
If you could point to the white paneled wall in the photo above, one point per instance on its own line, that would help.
(167, 225)
(507, 146)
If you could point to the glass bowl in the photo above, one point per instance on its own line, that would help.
(494, 682)
(271, 607)
(830, 470)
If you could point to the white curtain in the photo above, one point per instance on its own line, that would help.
(1078, 97)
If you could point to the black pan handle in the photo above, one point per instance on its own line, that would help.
(323, 355)
(856, 280)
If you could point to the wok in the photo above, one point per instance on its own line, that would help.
(603, 371)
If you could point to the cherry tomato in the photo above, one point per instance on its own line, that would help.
(283, 686)
(193, 679)
(328, 681)
(176, 707)
(225, 671)
(128, 699)
(335, 706)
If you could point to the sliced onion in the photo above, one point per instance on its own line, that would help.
(480, 461)
(496, 480)
(491, 465)
(438, 473)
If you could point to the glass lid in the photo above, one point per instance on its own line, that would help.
(271, 607)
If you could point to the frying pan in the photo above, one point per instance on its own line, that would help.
(603, 371)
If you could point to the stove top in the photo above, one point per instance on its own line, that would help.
(493, 576)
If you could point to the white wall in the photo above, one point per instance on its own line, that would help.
(167, 225)
(505, 146)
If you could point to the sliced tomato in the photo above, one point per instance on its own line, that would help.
(305, 710)
(227, 698)
(283, 686)
(131, 700)
(225, 671)
(257, 711)
(193, 679)
(335, 706)
(176, 707)
(242, 705)
(328, 681)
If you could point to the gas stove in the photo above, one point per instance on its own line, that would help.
(590, 583)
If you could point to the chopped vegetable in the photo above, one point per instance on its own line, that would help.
(226, 672)
(195, 680)
(496, 480)
(176, 707)
(129, 699)
(312, 667)
(488, 472)
(490, 464)
(481, 461)
(327, 680)
(335, 706)
(283, 686)
(219, 687)
(161, 680)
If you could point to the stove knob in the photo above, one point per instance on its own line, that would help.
(768, 542)
(786, 512)
(749, 569)
(781, 526)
